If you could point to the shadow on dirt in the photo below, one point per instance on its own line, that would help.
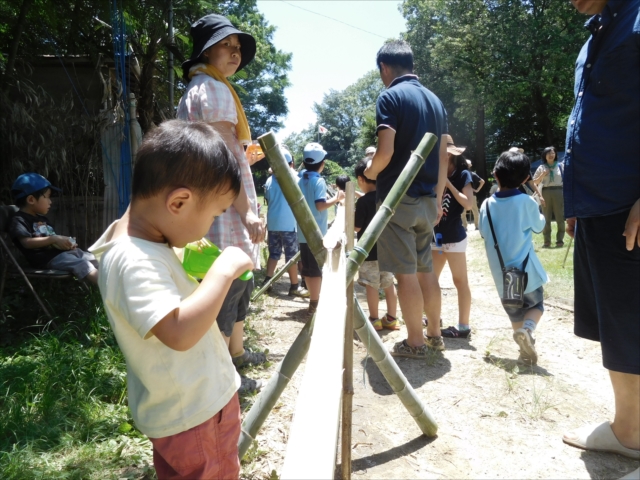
(607, 465)
(417, 371)
(389, 455)
(510, 365)
(301, 316)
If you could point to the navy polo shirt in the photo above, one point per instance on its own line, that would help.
(411, 110)
(602, 161)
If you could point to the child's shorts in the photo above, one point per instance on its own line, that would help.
(76, 261)
(533, 299)
(209, 450)
(235, 305)
(310, 266)
(370, 275)
(279, 241)
(458, 247)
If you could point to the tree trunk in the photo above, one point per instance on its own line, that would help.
(480, 160)
(17, 33)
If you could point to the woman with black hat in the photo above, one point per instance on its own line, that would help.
(219, 51)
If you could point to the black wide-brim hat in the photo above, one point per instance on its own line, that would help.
(208, 31)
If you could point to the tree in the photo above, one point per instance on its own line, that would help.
(349, 116)
(81, 27)
(507, 64)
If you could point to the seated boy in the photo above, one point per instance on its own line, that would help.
(33, 234)
(369, 274)
(281, 225)
(182, 384)
(515, 216)
(314, 189)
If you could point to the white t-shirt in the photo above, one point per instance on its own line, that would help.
(169, 391)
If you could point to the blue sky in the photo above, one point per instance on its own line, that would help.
(327, 54)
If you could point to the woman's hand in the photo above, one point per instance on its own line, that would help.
(255, 227)
(632, 227)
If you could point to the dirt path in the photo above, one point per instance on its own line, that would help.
(495, 420)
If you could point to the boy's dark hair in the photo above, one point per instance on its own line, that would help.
(179, 154)
(312, 167)
(359, 169)
(22, 202)
(396, 54)
(341, 181)
(512, 169)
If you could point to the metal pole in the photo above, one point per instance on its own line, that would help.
(347, 378)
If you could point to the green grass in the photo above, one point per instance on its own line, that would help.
(63, 411)
(560, 284)
(63, 399)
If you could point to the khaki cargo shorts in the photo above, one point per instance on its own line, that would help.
(370, 274)
(404, 246)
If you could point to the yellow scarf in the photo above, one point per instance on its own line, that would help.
(242, 128)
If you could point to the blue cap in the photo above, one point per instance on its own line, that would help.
(286, 154)
(29, 183)
(313, 153)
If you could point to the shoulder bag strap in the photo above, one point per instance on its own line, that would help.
(495, 240)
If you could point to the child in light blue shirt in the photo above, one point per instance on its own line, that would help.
(515, 218)
(314, 189)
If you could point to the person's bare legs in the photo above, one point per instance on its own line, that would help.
(271, 267)
(432, 301)
(439, 260)
(372, 301)
(293, 274)
(458, 265)
(235, 342)
(313, 285)
(411, 304)
(392, 300)
(626, 423)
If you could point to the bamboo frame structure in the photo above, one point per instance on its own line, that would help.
(262, 407)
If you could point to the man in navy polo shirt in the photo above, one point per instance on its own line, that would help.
(602, 206)
(405, 111)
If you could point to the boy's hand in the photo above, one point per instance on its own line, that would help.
(233, 262)
(62, 243)
(571, 226)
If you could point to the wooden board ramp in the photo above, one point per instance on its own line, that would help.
(311, 448)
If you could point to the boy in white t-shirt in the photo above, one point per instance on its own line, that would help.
(181, 381)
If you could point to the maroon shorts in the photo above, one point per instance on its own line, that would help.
(207, 451)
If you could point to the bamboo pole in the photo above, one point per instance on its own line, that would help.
(392, 373)
(294, 196)
(347, 378)
(263, 405)
(276, 276)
